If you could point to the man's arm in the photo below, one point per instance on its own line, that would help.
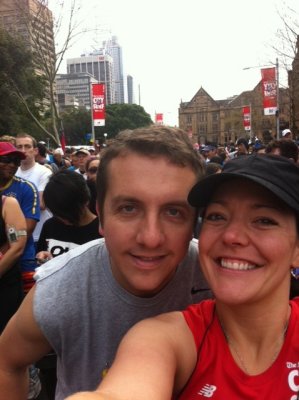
(31, 224)
(41, 201)
(14, 247)
(44, 179)
(21, 344)
(30, 206)
(155, 360)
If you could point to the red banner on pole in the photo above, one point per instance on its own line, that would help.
(269, 88)
(159, 119)
(247, 118)
(98, 104)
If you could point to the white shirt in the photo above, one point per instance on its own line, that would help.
(39, 175)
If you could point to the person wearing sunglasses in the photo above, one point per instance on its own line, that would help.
(27, 195)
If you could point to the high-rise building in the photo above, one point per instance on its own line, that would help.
(33, 21)
(76, 86)
(112, 48)
(100, 66)
(130, 89)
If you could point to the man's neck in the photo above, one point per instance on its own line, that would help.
(4, 184)
(25, 165)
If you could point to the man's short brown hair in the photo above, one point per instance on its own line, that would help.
(26, 135)
(154, 141)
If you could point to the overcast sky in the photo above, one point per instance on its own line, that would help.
(173, 47)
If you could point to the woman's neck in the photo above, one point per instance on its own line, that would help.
(254, 335)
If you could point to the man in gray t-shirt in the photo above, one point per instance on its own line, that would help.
(86, 300)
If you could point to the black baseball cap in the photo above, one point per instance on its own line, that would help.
(275, 173)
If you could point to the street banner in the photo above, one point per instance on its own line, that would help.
(98, 104)
(269, 89)
(159, 119)
(247, 118)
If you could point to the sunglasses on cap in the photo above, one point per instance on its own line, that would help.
(93, 170)
(10, 159)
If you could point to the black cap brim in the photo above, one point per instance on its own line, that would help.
(202, 192)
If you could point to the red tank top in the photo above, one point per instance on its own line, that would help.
(218, 377)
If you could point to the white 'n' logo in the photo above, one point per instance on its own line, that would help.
(207, 390)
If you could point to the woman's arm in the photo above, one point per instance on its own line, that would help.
(154, 361)
(14, 219)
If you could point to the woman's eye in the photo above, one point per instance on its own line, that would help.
(266, 221)
(213, 217)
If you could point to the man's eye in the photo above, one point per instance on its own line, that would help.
(128, 209)
(173, 212)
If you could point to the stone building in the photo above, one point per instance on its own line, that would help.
(221, 121)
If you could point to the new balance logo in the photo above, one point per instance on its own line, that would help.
(207, 390)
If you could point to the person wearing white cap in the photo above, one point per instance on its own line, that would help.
(287, 134)
(83, 155)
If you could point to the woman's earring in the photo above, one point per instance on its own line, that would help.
(295, 272)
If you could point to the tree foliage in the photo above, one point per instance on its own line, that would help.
(77, 122)
(287, 36)
(287, 51)
(18, 80)
(123, 116)
(37, 24)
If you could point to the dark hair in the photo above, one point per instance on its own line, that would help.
(42, 149)
(66, 194)
(287, 148)
(154, 141)
(213, 168)
(243, 141)
(216, 160)
(89, 160)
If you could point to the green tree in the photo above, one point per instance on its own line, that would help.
(123, 116)
(40, 29)
(18, 81)
(76, 122)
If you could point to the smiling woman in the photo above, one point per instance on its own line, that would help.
(244, 344)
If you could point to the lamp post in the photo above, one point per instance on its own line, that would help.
(105, 137)
(277, 91)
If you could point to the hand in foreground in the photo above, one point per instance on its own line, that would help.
(43, 256)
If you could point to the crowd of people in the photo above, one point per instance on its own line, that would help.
(47, 206)
(183, 257)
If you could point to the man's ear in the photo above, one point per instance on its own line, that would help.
(101, 228)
